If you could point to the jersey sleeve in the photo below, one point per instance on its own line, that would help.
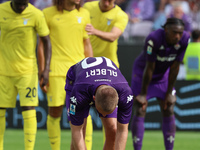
(41, 26)
(151, 49)
(121, 21)
(79, 106)
(87, 21)
(125, 104)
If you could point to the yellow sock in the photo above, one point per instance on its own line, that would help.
(104, 135)
(53, 128)
(89, 132)
(30, 128)
(2, 126)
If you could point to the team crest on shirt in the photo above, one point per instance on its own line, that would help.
(177, 46)
(25, 22)
(79, 19)
(109, 21)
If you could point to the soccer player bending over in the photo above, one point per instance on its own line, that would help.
(154, 75)
(97, 81)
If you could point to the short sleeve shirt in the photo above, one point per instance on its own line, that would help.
(83, 80)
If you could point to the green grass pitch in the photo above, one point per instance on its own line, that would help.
(153, 140)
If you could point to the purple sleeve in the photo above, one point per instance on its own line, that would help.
(184, 43)
(125, 104)
(150, 48)
(76, 102)
(78, 105)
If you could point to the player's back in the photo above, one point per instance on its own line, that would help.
(93, 70)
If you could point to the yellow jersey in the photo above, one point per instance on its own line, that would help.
(105, 21)
(67, 32)
(18, 39)
(192, 61)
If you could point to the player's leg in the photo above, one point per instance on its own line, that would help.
(30, 126)
(2, 126)
(27, 86)
(137, 125)
(56, 99)
(168, 125)
(53, 126)
(110, 126)
(89, 132)
(8, 94)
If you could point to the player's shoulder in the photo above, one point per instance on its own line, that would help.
(5, 4)
(119, 12)
(33, 10)
(155, 37)
(50, 10)
(91, 5)
(185, 37)
(83, 10)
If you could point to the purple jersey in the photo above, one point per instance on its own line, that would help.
(156, 50)
(82, 81)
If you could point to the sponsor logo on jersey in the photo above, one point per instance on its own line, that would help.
(170, 58)
(161, 47)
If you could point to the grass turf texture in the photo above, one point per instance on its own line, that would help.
(153, 140)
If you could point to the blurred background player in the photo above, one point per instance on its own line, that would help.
(108, 91)
(70, 44)
(18, 70)
(154, 74)
(192, 57)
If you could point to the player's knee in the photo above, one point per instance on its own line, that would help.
(138, 110)
(111, 132)
(169, 111)
(55, 112)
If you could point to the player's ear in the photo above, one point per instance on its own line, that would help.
(94, 98)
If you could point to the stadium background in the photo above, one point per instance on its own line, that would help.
(187, 108)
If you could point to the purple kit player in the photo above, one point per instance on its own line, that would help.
(154, 75)
(98, 81)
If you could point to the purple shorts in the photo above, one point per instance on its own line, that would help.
(157, 90)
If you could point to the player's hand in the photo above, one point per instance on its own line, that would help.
(44, 80)
(90, 29)
(169, 100)
(142, 100)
